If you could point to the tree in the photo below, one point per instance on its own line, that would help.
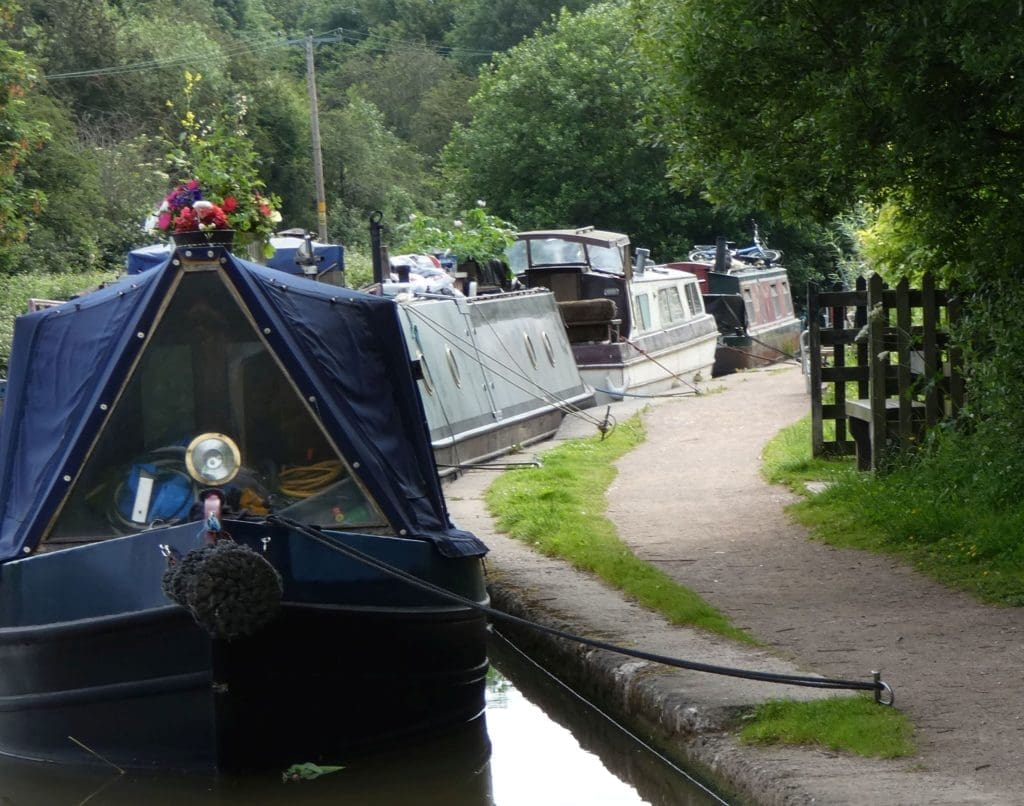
(20, 136)
(482, 28)
(809, 108)
(366, 168)
(556, 140)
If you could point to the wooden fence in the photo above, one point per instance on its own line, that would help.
(894, 345)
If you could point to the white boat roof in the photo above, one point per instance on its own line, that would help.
(587, 235)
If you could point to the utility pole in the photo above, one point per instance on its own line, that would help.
(314, 125)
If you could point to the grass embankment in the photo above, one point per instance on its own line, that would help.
(559, 509)
(948, 514)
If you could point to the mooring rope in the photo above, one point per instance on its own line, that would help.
(877, 686)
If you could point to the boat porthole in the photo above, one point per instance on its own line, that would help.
(454, 367)
(428, 384)
(548, 348)
(530, 352)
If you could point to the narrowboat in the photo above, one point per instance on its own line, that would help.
(495, 370)
(748, 293)
(223, 539)
(635, 328)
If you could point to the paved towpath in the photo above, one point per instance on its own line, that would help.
(691, 501)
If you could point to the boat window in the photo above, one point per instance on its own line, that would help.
(516, 257)
(693, 297)
(642, 311)
(787, 300)
(751, 305)
(774, 291)
(205, 370)
(670, 306)
(606, 258)
(555, 251)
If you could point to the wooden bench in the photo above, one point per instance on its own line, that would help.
(860, 416)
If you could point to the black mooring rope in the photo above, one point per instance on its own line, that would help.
(877, 685)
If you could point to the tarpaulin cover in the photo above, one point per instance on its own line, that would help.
(329, 256)
(344, 349)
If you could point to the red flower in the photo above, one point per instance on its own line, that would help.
(186, 220)
(229, 205)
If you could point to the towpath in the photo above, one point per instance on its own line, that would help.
(691, 501)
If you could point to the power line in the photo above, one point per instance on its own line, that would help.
(265, 43)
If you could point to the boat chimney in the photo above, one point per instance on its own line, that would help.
(722, 261)
(376, 251)
(641, 260)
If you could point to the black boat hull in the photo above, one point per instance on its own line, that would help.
(361, 662)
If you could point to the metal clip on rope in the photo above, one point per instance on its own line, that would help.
(881, 687)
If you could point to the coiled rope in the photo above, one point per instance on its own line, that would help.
(230, 590)
(882, 691)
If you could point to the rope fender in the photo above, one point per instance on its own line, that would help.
(230, 590)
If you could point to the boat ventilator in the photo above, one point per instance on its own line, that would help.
(883, 693)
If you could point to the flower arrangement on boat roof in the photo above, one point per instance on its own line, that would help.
(187, 209)
(219, 186)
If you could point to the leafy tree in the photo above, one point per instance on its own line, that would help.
(20, 135)
(809, 108)
(366, 168)
(484, 27)
(413, 87)
(556, 140)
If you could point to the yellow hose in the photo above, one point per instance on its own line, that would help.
(302, 482)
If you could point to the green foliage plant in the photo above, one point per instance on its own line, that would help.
(20, 135)
(855, 725)
(953, 511)
(558, 509)
(473, 234)
(220, 156)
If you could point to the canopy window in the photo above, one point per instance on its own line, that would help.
(207, 370)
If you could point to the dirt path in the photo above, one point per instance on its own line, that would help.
(691, 501)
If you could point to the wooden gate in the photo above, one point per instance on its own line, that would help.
(883, 359)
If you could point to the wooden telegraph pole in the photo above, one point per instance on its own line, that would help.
(314, 120)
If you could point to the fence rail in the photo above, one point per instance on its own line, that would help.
(884, 358)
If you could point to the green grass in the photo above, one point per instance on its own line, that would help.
(850, 724)
(559, 509)
(951, 512)
(786, 459)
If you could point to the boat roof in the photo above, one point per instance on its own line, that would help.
(329, 256)
(587, 235)
(343, 349)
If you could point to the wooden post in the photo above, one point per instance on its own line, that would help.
(814, 345)
(904, 373)
(934, 371)
(878, 318)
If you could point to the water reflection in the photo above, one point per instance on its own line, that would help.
(567, 752)
(537, 745)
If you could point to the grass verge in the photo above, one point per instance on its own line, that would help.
(851, 724)
(559, 509)
(943, 512)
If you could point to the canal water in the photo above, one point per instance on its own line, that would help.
(538, 744)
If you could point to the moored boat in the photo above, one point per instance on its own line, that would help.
(635, 329)
(748, 292)
(223, 541)
(495, 371)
